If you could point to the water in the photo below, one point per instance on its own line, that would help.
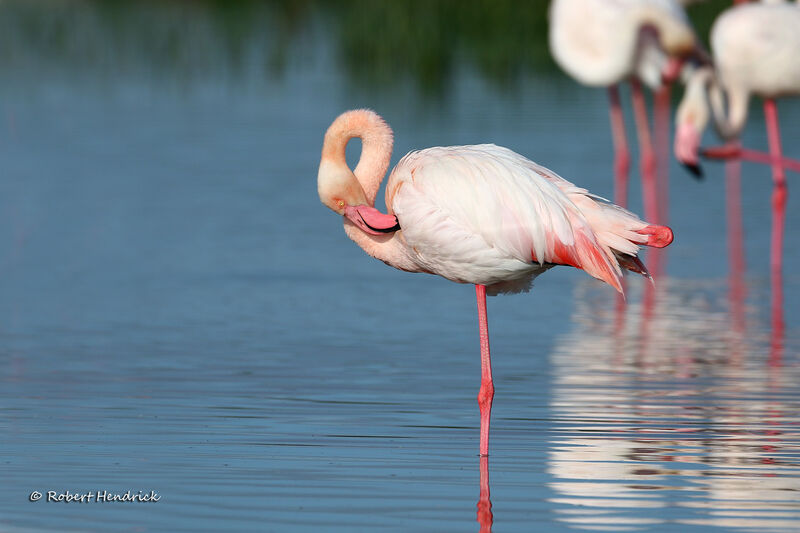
(179, 314)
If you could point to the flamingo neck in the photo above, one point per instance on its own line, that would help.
(693, 109)
(376, 147)
(376, 151)
(703, 88)
(730, 123)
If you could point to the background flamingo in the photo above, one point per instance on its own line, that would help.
(748, 61)
(602, 43)
(475, 214)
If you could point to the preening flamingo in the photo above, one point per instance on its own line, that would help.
(479, 214)
(756, 50)
(747, 61)
(602, 43)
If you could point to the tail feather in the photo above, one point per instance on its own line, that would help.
(658, 236)
(620, 234)
(633, 264)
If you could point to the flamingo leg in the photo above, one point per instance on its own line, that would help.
(661, 102)
(734, 150)
(646, 154)
(486, 392)
(779, 193)
(622, 158)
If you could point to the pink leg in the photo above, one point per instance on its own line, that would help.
(734, 150)
(648, 160)
(486, 392)
(779, 193)
(622, 158)
(661, 103)
(485, 517)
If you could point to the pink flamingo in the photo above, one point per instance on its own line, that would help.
(475, 214)
(602, 43)
(755, 48)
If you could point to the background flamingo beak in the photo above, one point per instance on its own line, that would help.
(687, 145)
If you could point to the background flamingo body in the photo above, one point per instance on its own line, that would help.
(604, 42)
(476, 214)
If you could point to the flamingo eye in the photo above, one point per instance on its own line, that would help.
(340, 203)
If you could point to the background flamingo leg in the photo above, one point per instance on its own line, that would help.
(661, 102)
(622, 157)
(779, 193)
(734, 150)
(646, 154)
(486, 392)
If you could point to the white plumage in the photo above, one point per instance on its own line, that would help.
(486, 215)
(604, 42)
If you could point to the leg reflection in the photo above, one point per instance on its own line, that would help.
(485, 517)
(776, 342)
(737, 292)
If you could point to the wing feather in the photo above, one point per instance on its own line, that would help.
(498, 211)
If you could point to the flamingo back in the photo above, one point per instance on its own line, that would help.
(484, 214)
(756, 48)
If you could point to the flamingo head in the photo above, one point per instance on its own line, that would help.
(687, 146)
(339, 189)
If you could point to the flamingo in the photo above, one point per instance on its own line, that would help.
(756, 49)
(480, 214)
(602, 43)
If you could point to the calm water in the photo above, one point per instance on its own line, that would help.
(179, 314)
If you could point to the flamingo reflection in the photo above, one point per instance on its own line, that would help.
(485, 517)
(737, 290)
(675, 421)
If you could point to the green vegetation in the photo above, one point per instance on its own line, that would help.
(378, 43)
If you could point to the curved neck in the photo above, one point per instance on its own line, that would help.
(376, 147)
(731, 123)
(703, 88)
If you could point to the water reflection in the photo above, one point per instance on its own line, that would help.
(485, 517)
(737, 290)
(685, 413)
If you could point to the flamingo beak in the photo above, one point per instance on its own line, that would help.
(370, 220)
(687, 145)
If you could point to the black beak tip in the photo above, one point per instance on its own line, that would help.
(394, 228)
(695, 169)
